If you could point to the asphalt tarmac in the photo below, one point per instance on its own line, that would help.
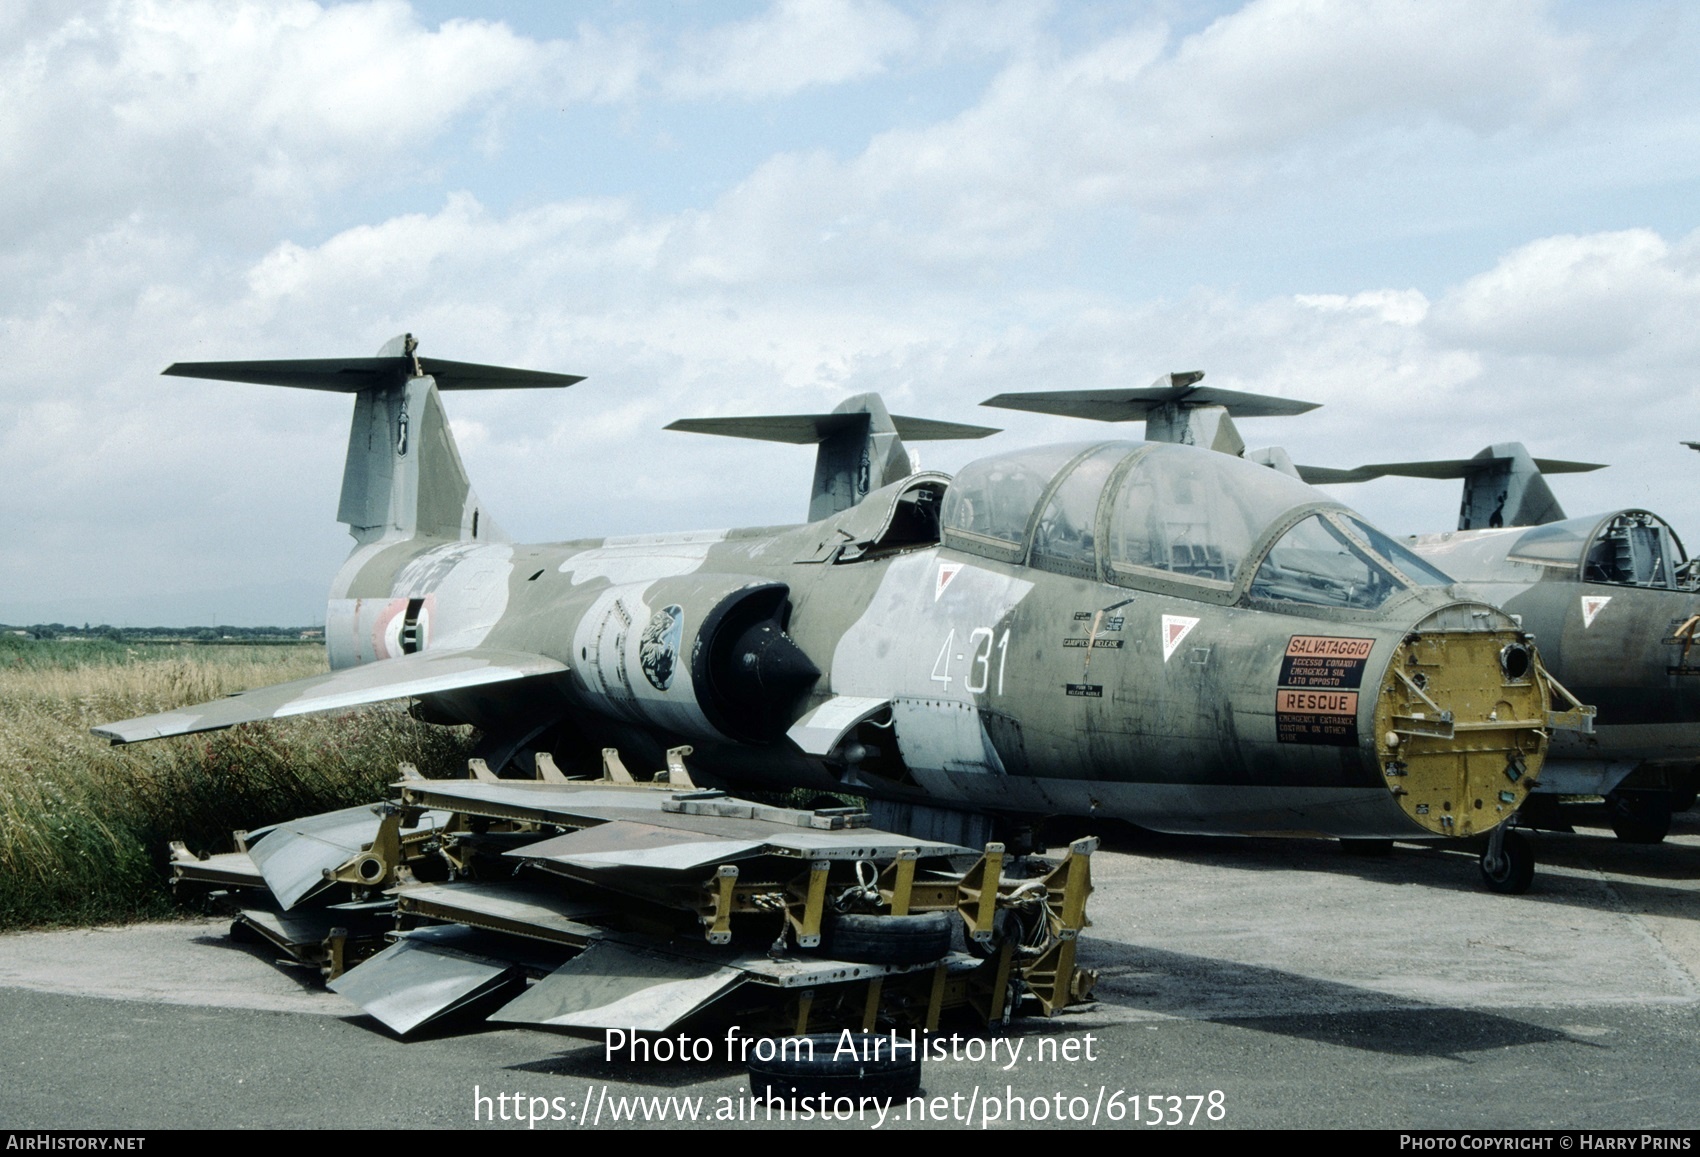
(1245, 983)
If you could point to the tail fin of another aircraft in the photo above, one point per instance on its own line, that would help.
(861, 445)
(1503, 485)
(403, 477)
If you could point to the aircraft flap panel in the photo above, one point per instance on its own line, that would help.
(404, 677)
(294, 857)
(611, 986)
(679, 841)
(568, 804)
(626, 844)
(507, 905)
(227, 869)
(820, 731)
(419, 979)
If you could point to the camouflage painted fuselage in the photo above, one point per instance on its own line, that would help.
(945, 677)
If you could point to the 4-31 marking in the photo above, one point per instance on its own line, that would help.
(979, 656)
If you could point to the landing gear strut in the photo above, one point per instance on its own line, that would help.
(1508, 862)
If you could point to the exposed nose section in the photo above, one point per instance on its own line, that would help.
(1461, 724)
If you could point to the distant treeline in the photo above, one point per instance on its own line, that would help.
(108, 633)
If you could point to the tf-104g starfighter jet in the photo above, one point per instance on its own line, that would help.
(1142, 631)
(1611, 598)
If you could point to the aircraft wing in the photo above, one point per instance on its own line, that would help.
(424, 673)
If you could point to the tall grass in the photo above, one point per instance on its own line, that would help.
(84, 826)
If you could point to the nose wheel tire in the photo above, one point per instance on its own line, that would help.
(1508, 864)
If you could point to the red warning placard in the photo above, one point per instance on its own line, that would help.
(1325, 661)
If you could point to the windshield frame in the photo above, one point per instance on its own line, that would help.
(1340, 518)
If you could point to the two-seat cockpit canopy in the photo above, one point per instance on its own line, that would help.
(1176, 518)
(1624, 548)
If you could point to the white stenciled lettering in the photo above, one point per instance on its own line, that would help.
(980, 663)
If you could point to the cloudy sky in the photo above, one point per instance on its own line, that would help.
(1452, 222)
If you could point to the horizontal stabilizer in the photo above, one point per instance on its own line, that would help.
(354, 375)
(1137, 404)
(422, 673)
(860, 445)
(1503, 484)
(1439, 468)
(806, 429)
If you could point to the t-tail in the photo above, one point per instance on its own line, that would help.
(1503, 484)
(861, 445)
(1174, 408)
(404, 481)
(403, 478)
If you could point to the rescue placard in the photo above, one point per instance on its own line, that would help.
(1324, 661)
(1318, 717)
(1317, 702)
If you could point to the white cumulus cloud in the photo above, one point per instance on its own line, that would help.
(796, 44)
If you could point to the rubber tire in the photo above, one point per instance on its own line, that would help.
(1640, 817)
(861, 939)
(1518, 871)
(878, 1072)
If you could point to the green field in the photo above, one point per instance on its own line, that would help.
(84, 826)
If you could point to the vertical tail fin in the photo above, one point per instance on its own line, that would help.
(861, 445)
(1507, 490)
(403, 477)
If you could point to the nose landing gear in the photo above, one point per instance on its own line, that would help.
(1508, 861)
